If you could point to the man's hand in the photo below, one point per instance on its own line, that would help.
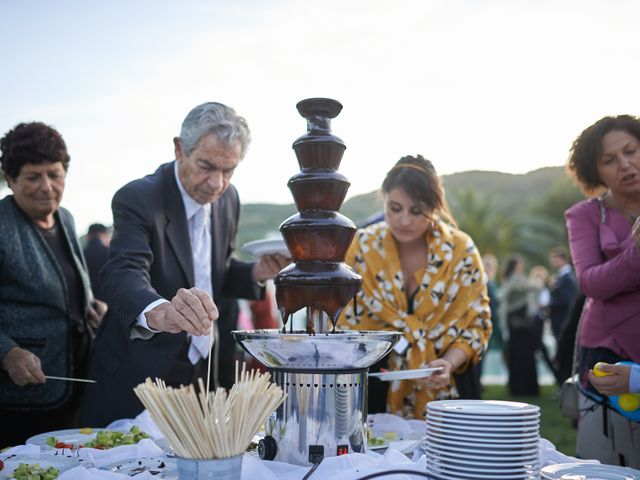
(23, 367)
(268, 266)
(191, 311)
(97, 311)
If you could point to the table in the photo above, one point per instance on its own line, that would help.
(346, 467)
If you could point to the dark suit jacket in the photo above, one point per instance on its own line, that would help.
(563, 295)
(96, 254)
(150, 258)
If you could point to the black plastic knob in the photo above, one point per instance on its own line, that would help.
(267, 448)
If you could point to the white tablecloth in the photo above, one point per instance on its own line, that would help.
(345, 467)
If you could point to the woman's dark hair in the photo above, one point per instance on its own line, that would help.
(34, 143)
(417, 176)
(510, 265)
(587, 149)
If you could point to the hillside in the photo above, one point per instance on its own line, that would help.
(520, 189)
(510, 193)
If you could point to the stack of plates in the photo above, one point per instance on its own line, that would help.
(482, 439)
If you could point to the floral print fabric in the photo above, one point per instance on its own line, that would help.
(450, 307)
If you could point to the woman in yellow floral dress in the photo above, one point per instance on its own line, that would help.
(424, 277)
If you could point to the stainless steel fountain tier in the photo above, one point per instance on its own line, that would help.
(325, 379)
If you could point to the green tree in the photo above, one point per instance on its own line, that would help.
(534, 235)
(562, 194)
(500, 232)
(477, 215)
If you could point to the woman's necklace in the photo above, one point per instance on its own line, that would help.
(630, 215)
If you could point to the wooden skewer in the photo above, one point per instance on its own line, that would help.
(211, 339)
(70, 379)
(207, 424)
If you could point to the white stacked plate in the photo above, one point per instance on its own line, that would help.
(588, 471)
(482, 439)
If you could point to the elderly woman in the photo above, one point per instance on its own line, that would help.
(46, 304)
(604, 235)
(424, 277)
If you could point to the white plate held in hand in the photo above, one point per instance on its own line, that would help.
(268, 246)
(406, 374)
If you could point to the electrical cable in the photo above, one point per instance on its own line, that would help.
(394, 472)
(310, 472)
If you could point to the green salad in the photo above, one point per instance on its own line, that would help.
(105, 439)
(33, 471)
(376, 442)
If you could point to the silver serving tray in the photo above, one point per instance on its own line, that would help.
(340, 350)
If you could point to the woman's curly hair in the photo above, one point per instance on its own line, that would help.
(31, 143)
(587, 149)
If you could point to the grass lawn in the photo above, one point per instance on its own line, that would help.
(553, 426)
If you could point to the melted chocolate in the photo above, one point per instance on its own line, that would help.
(318, 237)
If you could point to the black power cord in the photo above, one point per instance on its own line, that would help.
(394, 472)
(310, 472)
(316, 455)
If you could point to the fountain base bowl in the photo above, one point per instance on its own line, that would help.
(326, 352)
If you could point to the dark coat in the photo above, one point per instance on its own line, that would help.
(96, 254)
(563, 296)
(149, 259)
(34, 308)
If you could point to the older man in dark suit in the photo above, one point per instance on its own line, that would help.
(171, 255)
(564, 290)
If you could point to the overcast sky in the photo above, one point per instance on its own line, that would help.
(492, 85)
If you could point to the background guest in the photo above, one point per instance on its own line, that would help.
(47, 309)
(538, 300)
(491, 268)
(563, 360)
(490, 263)
(519, 327)
(96, 253)
(604, 236)
(563, 292)
(424, 277)
(538, 311)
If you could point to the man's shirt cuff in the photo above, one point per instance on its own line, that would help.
(141, 329)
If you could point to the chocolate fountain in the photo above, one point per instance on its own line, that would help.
(322, 370)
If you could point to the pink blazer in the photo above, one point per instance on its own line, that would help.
(607, 264)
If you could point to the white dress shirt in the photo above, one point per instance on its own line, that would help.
(199, 347)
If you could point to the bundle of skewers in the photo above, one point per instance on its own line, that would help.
(206, 425)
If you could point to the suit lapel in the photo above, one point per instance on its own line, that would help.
(177, 230)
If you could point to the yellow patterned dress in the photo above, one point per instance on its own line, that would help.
(450, 307)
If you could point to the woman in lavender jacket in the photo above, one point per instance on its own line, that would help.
(604, 235)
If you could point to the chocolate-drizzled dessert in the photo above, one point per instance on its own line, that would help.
(318, 237)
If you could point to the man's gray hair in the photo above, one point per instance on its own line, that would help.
(216, 118)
